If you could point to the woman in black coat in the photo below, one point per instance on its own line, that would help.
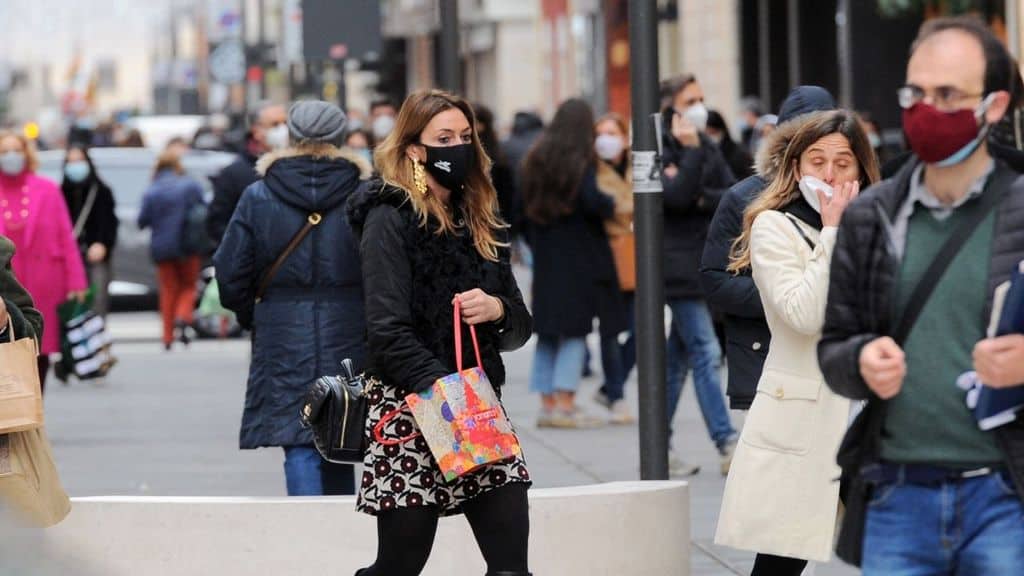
(91, 204)
(431, 235)
(310, 317)
(574, 277)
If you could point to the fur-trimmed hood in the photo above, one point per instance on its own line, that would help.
(333, 153)
(773, 148)
(313, 183)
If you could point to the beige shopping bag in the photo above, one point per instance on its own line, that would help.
(21, 398)
(29, 484)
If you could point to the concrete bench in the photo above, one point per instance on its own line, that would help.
(624, 528)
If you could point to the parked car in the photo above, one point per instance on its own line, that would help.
(128, 172)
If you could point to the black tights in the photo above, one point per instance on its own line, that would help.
(768, 565)
(500, 521)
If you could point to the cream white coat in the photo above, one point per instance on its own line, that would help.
(782, 494)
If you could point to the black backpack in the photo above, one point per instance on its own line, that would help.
(194, 238)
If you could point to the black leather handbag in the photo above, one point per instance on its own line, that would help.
(335, 409)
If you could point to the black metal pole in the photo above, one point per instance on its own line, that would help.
(448, 47)
(649, 225)
(261, 13)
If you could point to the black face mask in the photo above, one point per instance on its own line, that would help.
(450, 165)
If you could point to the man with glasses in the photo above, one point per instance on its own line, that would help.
(915, 266)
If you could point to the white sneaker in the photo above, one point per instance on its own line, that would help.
(602, 399)
(679, 468)
(622, 414)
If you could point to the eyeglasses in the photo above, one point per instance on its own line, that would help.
(943, 97)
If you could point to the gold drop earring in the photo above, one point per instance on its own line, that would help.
(419, 177)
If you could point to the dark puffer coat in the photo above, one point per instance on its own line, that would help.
(311, 317)
(862, 276)
(410, 276)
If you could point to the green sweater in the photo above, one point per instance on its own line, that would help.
(928, 422)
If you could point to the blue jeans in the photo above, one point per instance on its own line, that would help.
(307, 474)
(972, 527)
(692, 342)
(557, 364)
(618, 360)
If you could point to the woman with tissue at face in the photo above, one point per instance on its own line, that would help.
(91, 205)
(34, 217)
(781, 498)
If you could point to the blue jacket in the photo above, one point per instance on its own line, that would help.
(311, 316)
(164, 208)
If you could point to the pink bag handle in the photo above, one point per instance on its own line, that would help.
(458, 339)
(378, 430)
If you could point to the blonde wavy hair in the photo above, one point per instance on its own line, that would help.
(396, 169)
(784, 188)
(28, 146)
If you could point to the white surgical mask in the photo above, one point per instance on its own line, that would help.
(697, 115)
(77, 171)
(12, 163)
(875, 140)
(382, 126)
(608, 147)
(277, 137)
(809, 185)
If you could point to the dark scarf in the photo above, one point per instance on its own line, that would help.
(803, 210)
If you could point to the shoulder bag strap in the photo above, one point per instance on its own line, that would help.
(800, 230)
(311, 221)
(83, 216)
(994, 192)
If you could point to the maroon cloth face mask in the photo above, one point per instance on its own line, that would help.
(935, 135)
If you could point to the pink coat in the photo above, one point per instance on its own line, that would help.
(47, 261)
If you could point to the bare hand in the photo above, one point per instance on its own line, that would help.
(97, 253)
(79, 296)
(685, 132)
(671, 171)
(479, 307)
(883, 367)
(4, 318)
(832, 208)
(999, 362)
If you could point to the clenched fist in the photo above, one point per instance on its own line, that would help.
(883, 367)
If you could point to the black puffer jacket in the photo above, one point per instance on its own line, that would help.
(735, 296)
(410, 276)
(690, 201)
(863, 272)
(311, 316)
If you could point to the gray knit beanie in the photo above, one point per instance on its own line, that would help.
(317, 121)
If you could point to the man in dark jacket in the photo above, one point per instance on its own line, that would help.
(944, 495)
(15, 302)
(694, 177)
(735, 295)
(236, 177)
